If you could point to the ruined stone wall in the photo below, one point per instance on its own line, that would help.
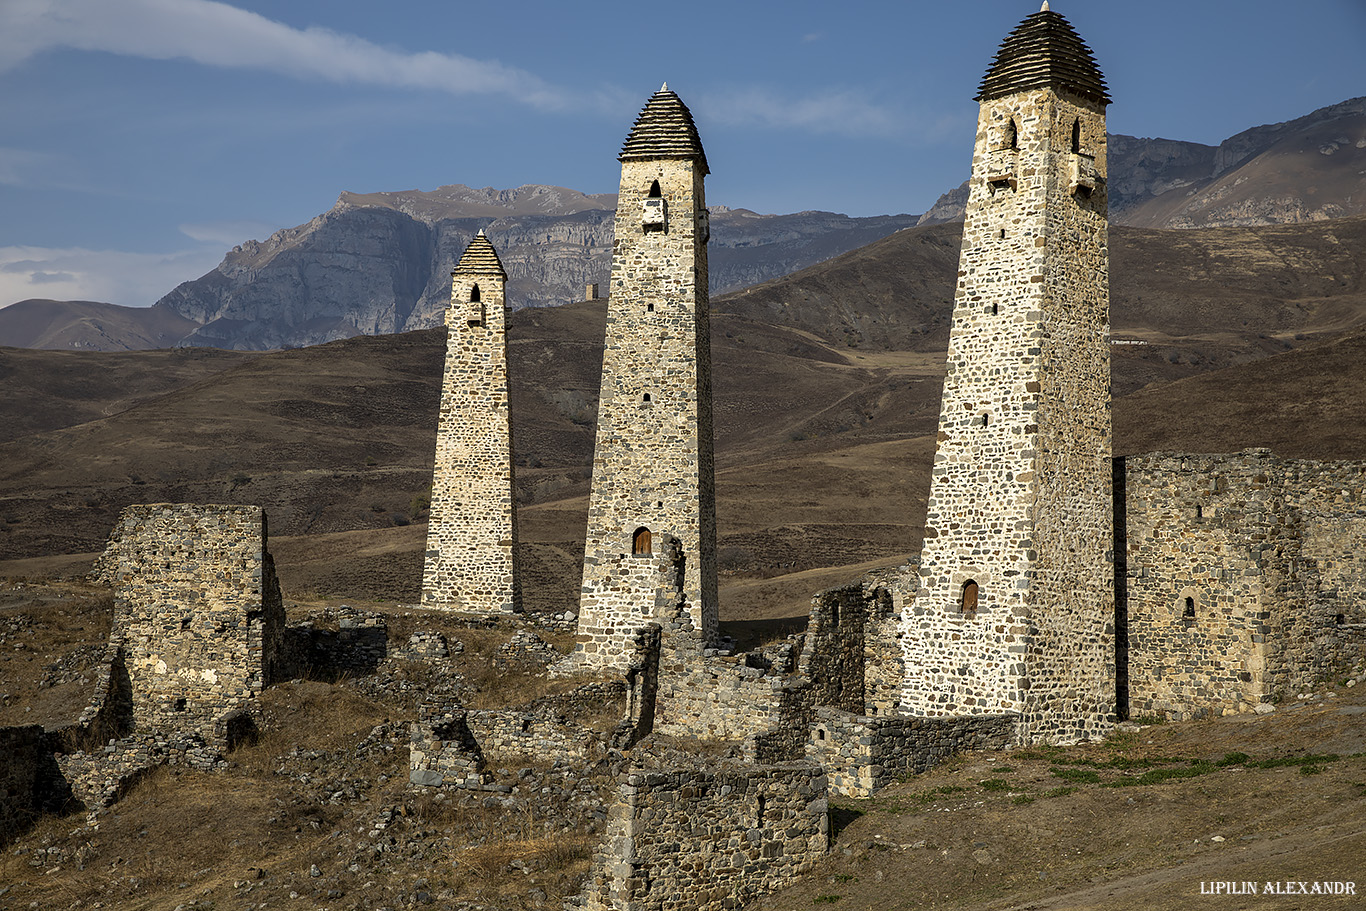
(652, 461)
(851, 651)
(442, 750)
(197, 611)
(1244, 579)
(632, 592)
(718, 697)
(30, 783)
(1015, 607)
(708, 840)
(862, 754)
(472, 531)
(109, 714)
(336, 642)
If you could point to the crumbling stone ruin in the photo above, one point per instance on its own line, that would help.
(470, 563)
(695, 838)
(1014, 613)
(1244, 579)
(198, 615)
(652, 462)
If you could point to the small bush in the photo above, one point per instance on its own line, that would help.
(994, 784)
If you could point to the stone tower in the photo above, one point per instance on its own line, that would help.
(1016, 608)
(652, 463)
(472, 534)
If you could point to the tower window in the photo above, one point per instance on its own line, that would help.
(968, 601)
(654, 190)
(640, 541)
(1076, 137)
(1189, 612)
(647, 397)
(1013, 136)
(474, 293)
(649, 308)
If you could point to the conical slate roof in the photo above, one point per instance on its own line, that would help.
(664, 129)
(481, 257)
(1044, 51)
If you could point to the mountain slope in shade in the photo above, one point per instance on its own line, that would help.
(90, 326)
(379, 263)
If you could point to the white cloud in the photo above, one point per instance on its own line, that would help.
(228, 233)
(842, 112)
(216, 34)
(27, 168)
(110, 276)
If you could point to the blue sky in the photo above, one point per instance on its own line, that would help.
(140, 139)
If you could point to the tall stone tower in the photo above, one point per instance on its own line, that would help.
(1016, 609)
(472, 534)
(652, 463)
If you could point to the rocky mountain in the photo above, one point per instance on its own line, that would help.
(1309, 169)
(380, 262)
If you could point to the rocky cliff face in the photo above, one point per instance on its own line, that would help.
(381, 262)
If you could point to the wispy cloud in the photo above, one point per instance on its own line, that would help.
(216, 34)
(228, 233)
(840, 112)
(110, 276)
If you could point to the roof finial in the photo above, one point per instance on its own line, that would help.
(1044, 8)
(664, 87)
(481, 232)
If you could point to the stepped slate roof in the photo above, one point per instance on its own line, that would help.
(481, 257)
(1044, 52)
(664, 129)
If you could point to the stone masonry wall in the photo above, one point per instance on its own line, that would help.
(197, 611)
(1015, 610)
(652, 461)
(862, 754)
(708, 840)
(472, 531)
(30, 783)
(1245, 579)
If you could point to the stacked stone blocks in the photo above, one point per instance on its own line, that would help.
(1245, 581)
(1014, 609)
(746, 831)
(197, 613)
(470, 563)
(652, 462)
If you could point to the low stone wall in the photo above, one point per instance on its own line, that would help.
(708, 840)
(337, 642)
(30, 782)
(443, 751)
(861, 753)
(108, 716)
(716, 697)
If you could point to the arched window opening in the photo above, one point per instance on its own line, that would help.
(1199, 512)
(1189, 612)
(640, 541)
(968, 602)
(647, 397)
(983, 419)
(1076, 137)
(654, 190)
(1013, 136)
(1339, 619)
(474, 293)
(835, 615)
